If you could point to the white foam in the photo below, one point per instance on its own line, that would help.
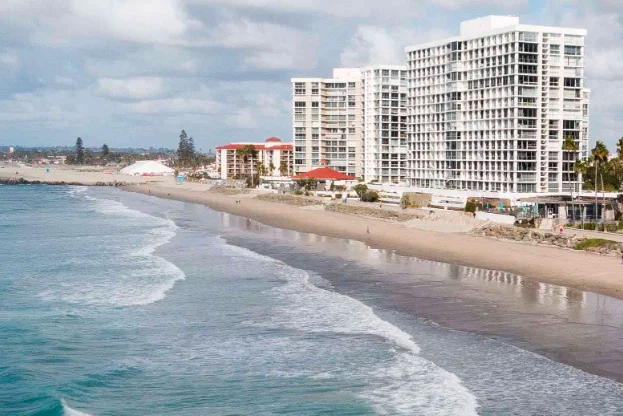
(151, 276)
(68, 411)
(75, 190)
(409, 384)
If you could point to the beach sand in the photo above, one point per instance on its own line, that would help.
(431, 240)
(580, 270)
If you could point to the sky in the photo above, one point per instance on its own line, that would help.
(134, 73)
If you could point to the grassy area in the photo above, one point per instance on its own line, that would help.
(595, 242)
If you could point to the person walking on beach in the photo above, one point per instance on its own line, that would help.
(621, 259)
(368, 231)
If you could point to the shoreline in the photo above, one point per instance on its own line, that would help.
(575, 269)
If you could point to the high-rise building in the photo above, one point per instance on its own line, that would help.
(489, 110)
(326, 122)
(384, 118)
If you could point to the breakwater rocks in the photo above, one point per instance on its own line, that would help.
(289, 199)
(22, 181)
(372, 212)
(599, 246)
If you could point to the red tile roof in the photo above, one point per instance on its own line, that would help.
(325, 173)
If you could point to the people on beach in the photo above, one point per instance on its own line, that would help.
(368, 230)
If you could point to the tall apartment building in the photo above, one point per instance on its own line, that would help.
(489, 109)
(326, 122)
(384, 124)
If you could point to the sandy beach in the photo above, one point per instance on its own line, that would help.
(576, 269)
(580, 270)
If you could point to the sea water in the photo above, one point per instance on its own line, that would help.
(121, 304)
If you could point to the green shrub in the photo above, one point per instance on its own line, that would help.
(370, 196)
(470, 206)
(612, 227)
(298, 192)
(338, 196)
(590, 226)
(595, 242)
(361, 189)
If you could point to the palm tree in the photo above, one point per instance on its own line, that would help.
(284, 169)
(248, 154)
(600, 155)
(620, 149)
(569, 145)
(271, 168)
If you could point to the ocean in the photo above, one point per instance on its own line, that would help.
(113, 303)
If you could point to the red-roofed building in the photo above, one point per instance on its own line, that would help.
(325, 174)
(273, 158)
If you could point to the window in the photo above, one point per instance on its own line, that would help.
(315, 104)
(554, 49)
(351, 85)
(573, 50)
(299, 104)
(299, 88)
(315, 88)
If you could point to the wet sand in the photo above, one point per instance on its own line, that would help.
(578, 328)
(580, 270)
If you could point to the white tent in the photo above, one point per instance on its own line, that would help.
(147, 168)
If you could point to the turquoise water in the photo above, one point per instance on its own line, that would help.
(120, 304)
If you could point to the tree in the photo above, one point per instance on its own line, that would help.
(271, 168)
(600, 156)
(105, 150)
(620, 149)
(79, 151)
(360, 189)
(248, 154)
(284, 169)
(182, 147)
(569, 145)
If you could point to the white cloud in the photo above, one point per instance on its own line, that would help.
(392, 9)
(138, 88)
(175, 106)
(82, 21)
(268, 45)
(9, 61)
(379, 45)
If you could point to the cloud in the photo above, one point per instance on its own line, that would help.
(175, 106)
(387, 10)
(138, 88)
(267, 45)
(379, 45)
(83, 21)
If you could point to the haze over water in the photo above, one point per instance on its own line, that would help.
(115, 303)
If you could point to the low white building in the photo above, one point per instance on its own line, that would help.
(276, 157)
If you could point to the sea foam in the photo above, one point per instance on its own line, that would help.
(410, 384)
(146, 278)
(68, 411)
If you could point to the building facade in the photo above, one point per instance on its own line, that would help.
(489, 109)
(326, 121)
(271, 158)
(384, 124)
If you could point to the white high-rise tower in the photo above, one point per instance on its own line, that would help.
(489, 110)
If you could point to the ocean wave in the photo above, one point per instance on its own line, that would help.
(68, 411)
(409, 384)
(147, 277)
